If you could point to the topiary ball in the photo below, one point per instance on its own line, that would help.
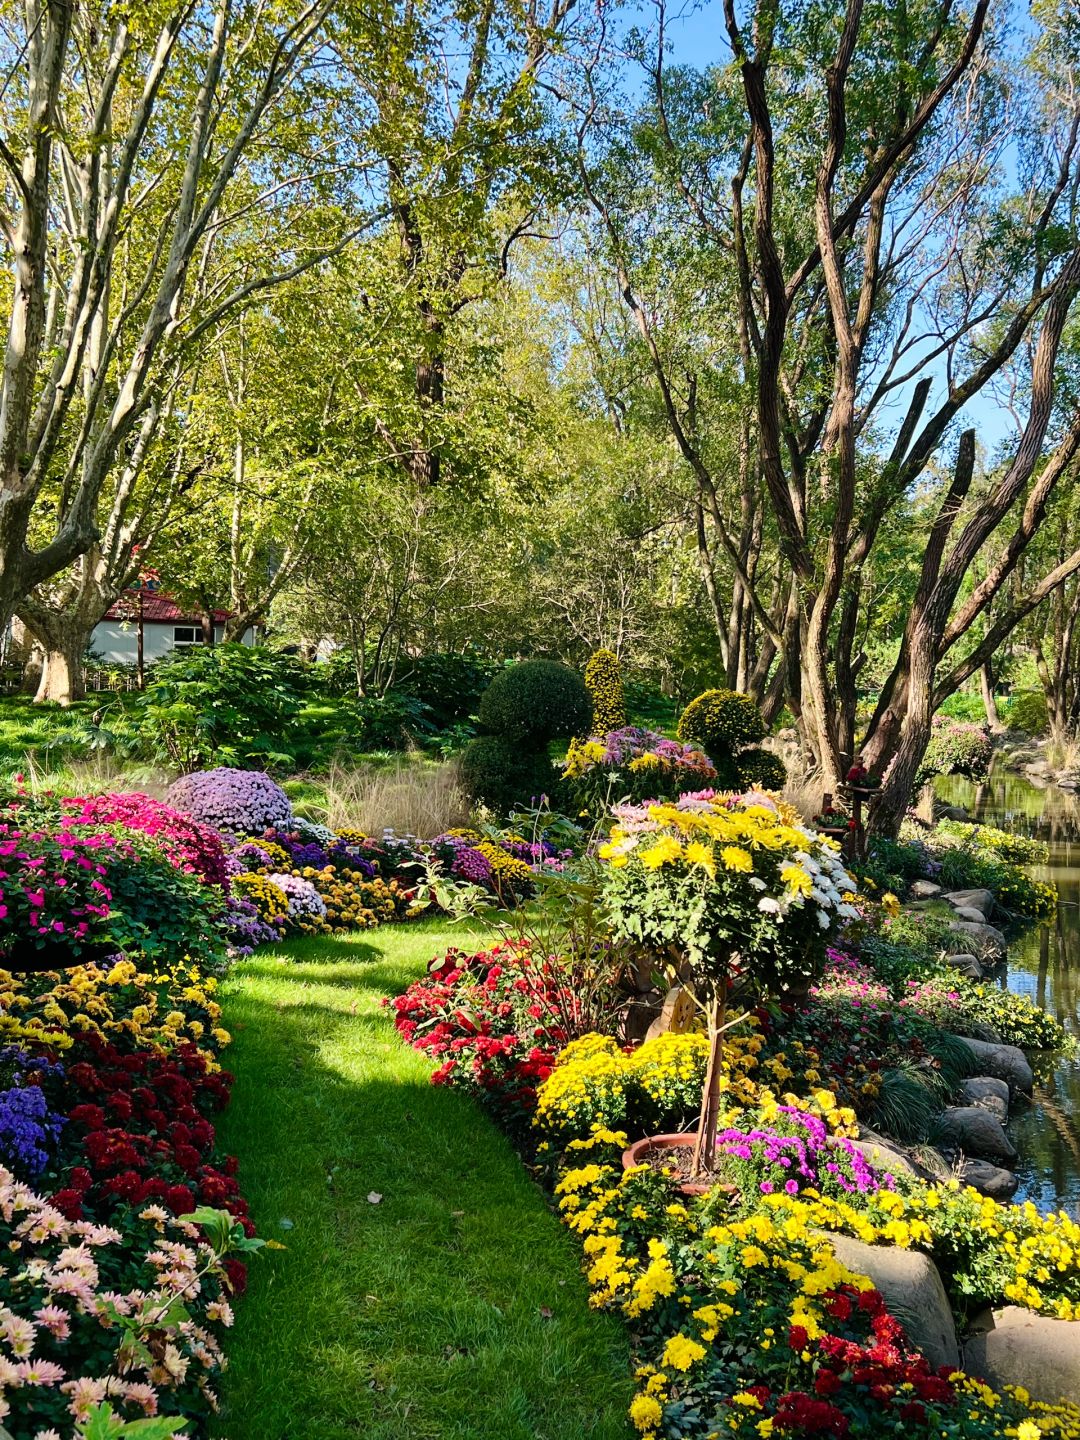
(760, 770)
(534, 702)
(722, 721)
(498, 773)
(604, 684)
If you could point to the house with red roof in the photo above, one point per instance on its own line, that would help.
(166, 626)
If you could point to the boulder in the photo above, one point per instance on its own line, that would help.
(882, 1154)
(966, 965)
(1013, 1346)
(981, 900)
(985, 941)
(951, 812)
(992, 1181)
(1006, 1062)
(968, 912)
(912, 1288)
(925, 890)
(974, 1131)
(988, 1092)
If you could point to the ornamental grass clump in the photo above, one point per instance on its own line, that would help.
(737, 888)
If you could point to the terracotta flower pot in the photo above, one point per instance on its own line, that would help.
(639, 1151)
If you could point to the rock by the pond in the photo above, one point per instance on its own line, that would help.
(1012, 1346)
(987, 942)
(967, 965)
(912, 1288)
(988, 1092)
(951, 812)
(925, 889)
(968, 912)
(1006, 1062)
(993, 1181)
(977, 899)
(882, 1154)
(974, 1131)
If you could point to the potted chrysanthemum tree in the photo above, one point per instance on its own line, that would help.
(738, 892)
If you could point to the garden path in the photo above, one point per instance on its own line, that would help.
(452, 1307)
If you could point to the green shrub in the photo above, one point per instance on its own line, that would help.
(501, 774)
(604, 684)
(224, 704)
(1020, 849)
(760, 770)
(956, 748)
(1028, 712)
(450, 686)
(722, 721)
(535, 702)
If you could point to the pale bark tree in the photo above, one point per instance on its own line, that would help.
(122, 258)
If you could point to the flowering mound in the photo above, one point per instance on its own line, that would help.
(127, 1313)
(632, 764)
(736, 881)
(196, 848)
(494, 1020)
(242, 802)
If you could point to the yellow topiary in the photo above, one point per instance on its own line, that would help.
(604, 684)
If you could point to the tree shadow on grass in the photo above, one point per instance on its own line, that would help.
(427, 1292)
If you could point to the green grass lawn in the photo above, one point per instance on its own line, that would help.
(453, 1307)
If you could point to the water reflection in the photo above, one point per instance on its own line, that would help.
(1044, 964)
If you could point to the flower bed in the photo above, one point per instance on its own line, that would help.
(744, 1321)
(128, 1242)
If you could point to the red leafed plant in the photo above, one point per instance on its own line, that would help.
(495, 1021)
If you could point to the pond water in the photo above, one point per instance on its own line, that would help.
(1044, 964)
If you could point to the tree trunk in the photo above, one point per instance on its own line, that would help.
(986, 682)
(63, 677)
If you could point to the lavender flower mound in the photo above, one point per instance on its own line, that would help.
(342, 854)
(305, 902)
(791, 1162)
(248, 856)
(28, 1130)
(241, 802)
(469, 864)
(245, 930)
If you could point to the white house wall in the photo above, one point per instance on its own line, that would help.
(118, 644)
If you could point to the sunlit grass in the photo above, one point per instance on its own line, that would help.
(451, 1308)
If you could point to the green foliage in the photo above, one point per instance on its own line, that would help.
(1020, 849)
(157, 909)
(449, 685)
(604, 684)
(722, 721)
(760, 770)
(967, 866)
(535, 702)
(501, 774)
(893, 864)
(223, 704)
(957, 748)
(1028, 712)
